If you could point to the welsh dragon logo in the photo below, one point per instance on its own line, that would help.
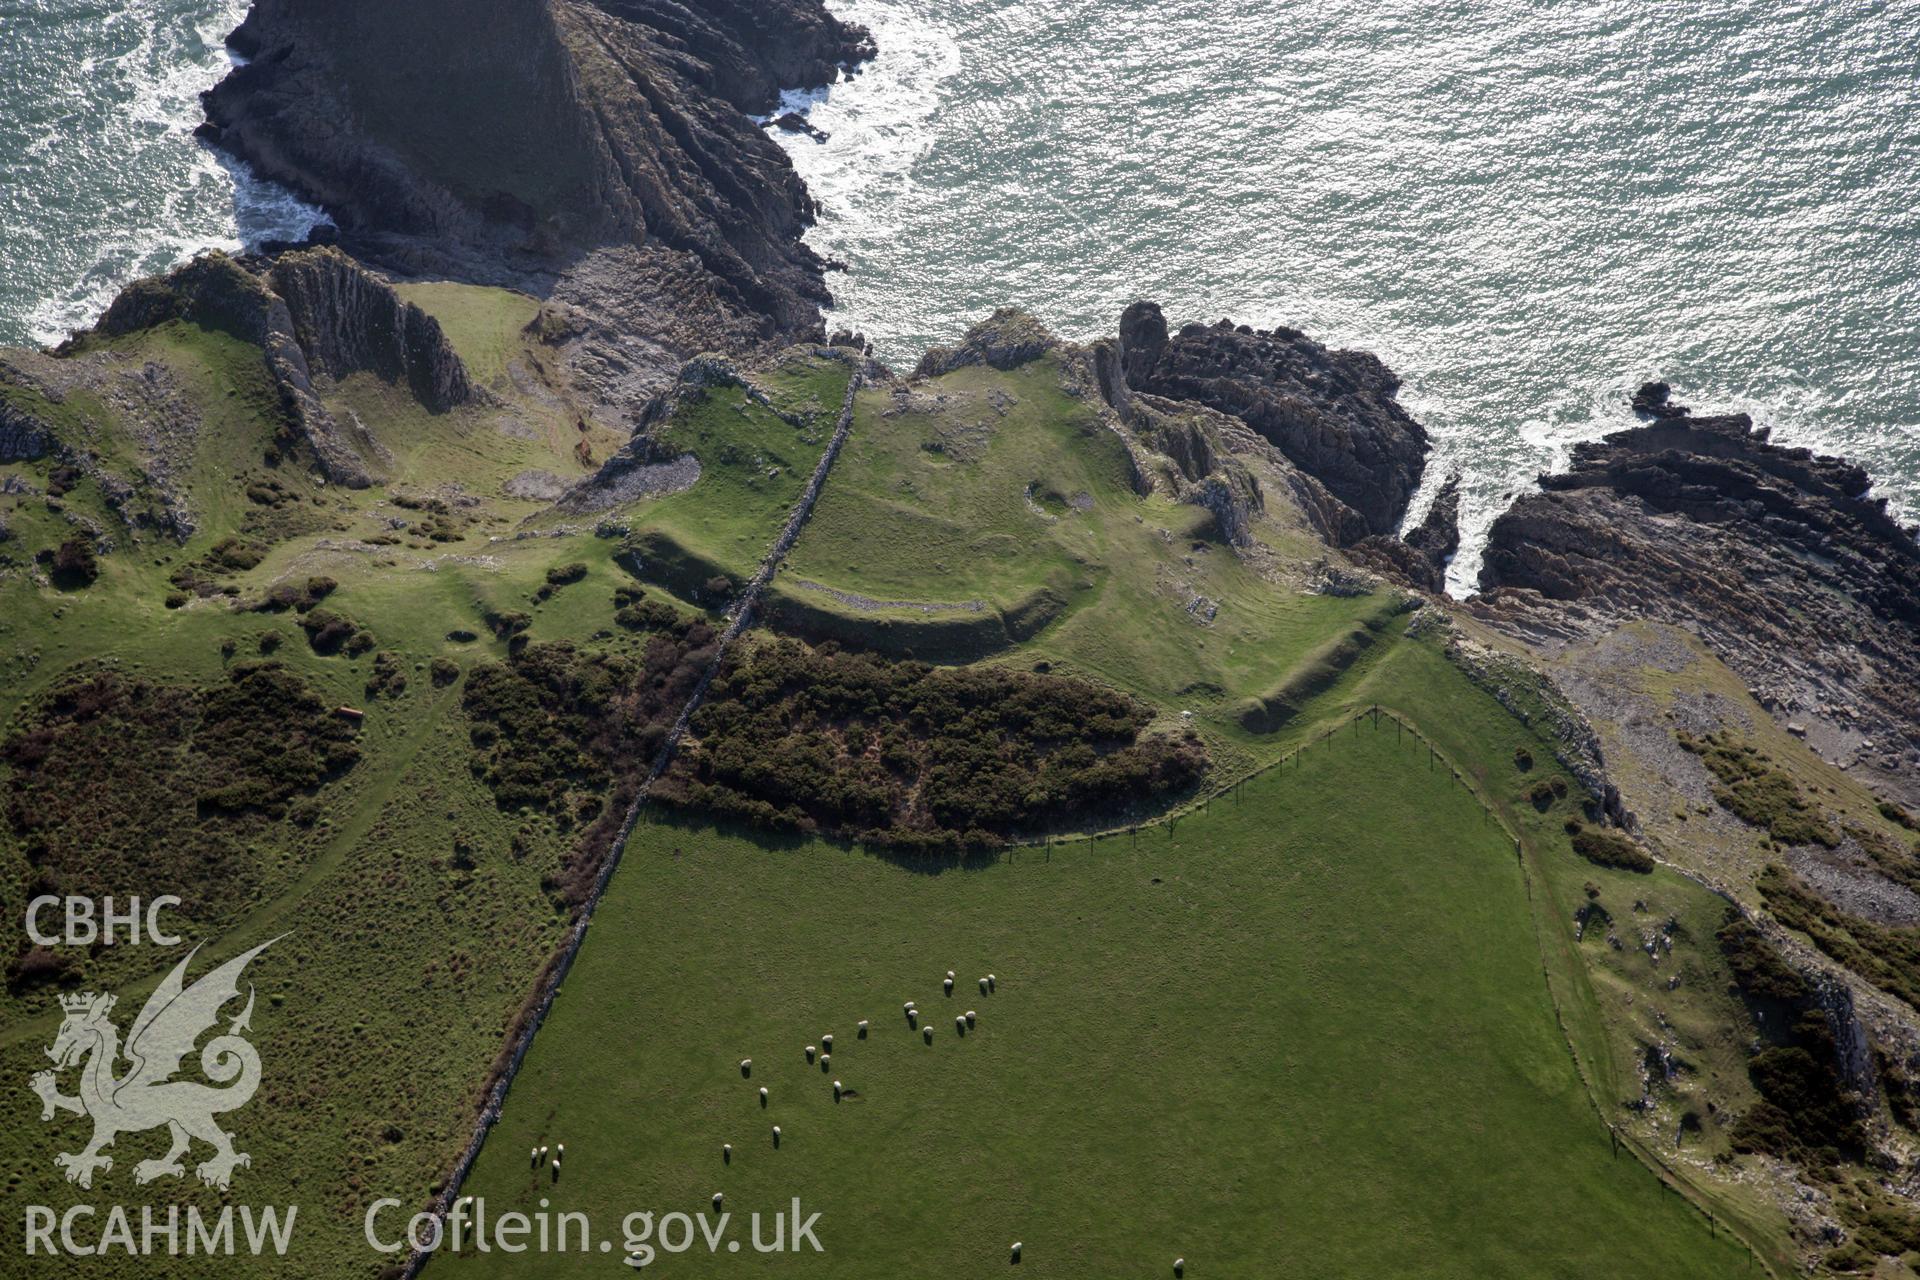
(146, 1096)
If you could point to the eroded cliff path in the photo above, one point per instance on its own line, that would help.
(739, 617)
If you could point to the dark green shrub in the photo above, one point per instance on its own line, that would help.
(74, 564)
(327, 631)
(1609, 849)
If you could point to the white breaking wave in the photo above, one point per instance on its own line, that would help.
(120, 185)
(1524, 215)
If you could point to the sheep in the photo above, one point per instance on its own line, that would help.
(960, 1026)
(826, 1062)
(990, 983)
(863, 1029)
(1016, 1252)
(776, 1135)
(560, 1150)
(927, 1032)
(1179, 1267)
(556, 1170)
(912, 1017)
(746, 1066)
(763, 1096)
(826, 1044)
(809, 1055)
(970, 1017)
(907, 1007)
(535, 1160)
(836, 1091)
(726, 1153)
(718, 1200)
(946, 985)
(983, 986)
(949, 975)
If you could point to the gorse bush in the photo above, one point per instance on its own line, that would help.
(1805, 1112)
(907, 755)
(1753, 790)
(1609, 848)
(116, 784)
(571, 734)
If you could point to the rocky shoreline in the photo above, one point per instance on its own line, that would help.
(1777, 558)
(598, 155)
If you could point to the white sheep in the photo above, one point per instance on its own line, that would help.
(836, 1091)
(726, 1153)
(970, 1017)
(718, 1200)
(960, 1026)
(560, 1150)
(1016, 1251)
(746, 1066)
(826, 1061)
(826, 1044)
(863, 1028)
(763, 1095)
(535, 1159)
(809, 1055)
(990, 982)
(927, 1032)
(1179, 1267)
(912, 1017)
(946, 985)
(776, 1135)
(983, 986)
(556, 1170)
(949, 973)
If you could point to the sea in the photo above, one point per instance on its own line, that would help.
(1525, 209)
(101, 178)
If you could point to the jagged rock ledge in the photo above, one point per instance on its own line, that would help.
(315, 314)
(1778, 558)
(563, 128)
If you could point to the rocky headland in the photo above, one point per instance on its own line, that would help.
(598, 155)
(1777, 558)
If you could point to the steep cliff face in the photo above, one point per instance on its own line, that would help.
(23, 437)
(1777, 557)
(1332, 413)
(487, 138)
(347, 321)
(313, 314)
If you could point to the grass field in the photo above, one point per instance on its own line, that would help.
(1305, 1031)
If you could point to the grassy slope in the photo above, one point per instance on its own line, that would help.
(1305, 1028)
(355, 962)
(904, 520)
(390, 996)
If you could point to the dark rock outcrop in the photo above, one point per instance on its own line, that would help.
(348, 320)
(23, 437)
(1419, 556)
(1776, 557)
(486, 139)
(1006, 339)
(1332, 413)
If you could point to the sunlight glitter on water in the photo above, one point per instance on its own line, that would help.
(1525, 210)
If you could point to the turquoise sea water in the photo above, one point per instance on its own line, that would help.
(1525, 208)
(101, 180)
